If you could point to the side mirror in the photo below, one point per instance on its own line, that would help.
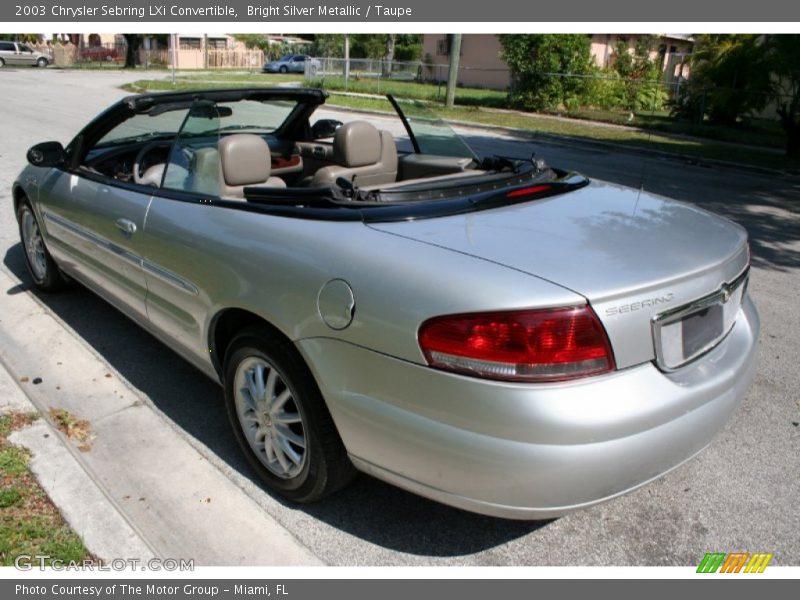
(324, 128)
(47, 154)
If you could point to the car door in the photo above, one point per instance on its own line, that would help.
(94, 214)
(93, 228)
(25, 55)
(298, 64)
(7, 51)
(173, 260)
(183, 276)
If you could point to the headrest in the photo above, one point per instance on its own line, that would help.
(357, 144)
(245, 159)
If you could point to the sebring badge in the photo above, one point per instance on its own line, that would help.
(639, 305)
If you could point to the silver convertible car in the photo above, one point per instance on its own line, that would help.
(490, 332)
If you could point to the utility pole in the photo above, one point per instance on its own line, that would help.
(452, 74)
(173, 41)
(346, 59)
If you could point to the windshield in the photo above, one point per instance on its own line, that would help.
(246, 115)
(144, 126)
(432, 134)
(255, 115)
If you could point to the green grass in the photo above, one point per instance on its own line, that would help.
(368, 85)
(240, 77)
(413, 90)
(13, 460)
(29, 522)
(694, 148)
(757, 132)
(160, 85)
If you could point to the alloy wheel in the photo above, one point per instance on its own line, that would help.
(34, 245)
(270, 417)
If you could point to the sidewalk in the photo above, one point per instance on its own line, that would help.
(139, 489)
(91, 514)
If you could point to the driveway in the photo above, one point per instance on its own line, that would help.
(740, 494)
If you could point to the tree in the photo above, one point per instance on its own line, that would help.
(736, 76)
(328, 44)
(408, 47)
(367, 45)
(783, 56)
(548, 71)
(133, 42)
(388, 56)
(253, 41)
(32, 38)
(730, 78)
(640, 74)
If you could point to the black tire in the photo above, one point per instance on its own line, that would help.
(325, 466)
(284, 70)
(2, 63)
(49, 278)
(42, 62)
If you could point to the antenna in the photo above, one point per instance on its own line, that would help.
(643, 173)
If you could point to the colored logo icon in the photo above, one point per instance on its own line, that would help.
(735, 562)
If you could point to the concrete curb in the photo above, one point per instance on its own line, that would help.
(91, 513)
(177, 503)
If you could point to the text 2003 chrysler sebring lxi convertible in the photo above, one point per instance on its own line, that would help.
(495, 334)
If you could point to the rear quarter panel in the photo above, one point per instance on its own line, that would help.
(276, 266)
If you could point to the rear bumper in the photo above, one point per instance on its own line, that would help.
(529, 451)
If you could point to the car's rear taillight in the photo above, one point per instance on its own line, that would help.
(553, 344)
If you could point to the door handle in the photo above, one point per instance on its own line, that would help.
(128, 228)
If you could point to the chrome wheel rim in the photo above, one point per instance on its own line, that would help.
(270, 417)
(34, 245)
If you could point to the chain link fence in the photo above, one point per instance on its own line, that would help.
(383, 70)
(113, 56)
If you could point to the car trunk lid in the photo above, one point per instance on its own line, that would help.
(633, 256)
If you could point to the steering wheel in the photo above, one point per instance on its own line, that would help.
(153, 173)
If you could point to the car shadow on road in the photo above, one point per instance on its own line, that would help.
(368, 509)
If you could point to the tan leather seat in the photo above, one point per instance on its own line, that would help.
(153, 175)
(361, 152)
(244, 160)
(205, 172)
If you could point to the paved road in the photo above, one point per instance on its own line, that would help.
(742, 493)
